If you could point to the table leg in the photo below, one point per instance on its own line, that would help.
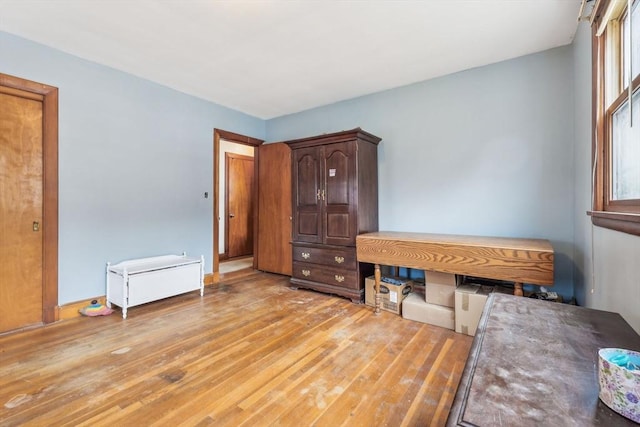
(376, 273)
(517, 289)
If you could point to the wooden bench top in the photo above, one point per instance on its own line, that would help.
(502, 258)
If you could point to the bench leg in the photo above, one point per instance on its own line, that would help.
(517, 289)
(376, 273)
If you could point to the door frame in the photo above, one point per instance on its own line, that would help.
(50, 189)
(219, 134)
(229, 156)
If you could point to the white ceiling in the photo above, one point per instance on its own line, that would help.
(269, 58)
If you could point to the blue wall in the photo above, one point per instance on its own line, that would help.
(488, 151)
(135, 160)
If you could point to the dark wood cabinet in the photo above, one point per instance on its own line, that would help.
(335, 198)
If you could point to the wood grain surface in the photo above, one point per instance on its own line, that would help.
(21, 205)
(274, 209)
(48, 95)
(511, 259)
(250, 352)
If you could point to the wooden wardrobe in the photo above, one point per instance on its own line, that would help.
(334, 198)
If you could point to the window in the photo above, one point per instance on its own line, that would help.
(616, 68)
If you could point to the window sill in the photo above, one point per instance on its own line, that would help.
(625, 222)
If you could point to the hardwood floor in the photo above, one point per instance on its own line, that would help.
(250, 352)
(235, 265)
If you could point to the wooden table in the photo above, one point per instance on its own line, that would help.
(535, 363)
(517, 260)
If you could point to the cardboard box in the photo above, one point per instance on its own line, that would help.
(414, 307)
(392, 294)
(440, 294)
(438, 278)
(470, 301)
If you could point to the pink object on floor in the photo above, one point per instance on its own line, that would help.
(95, 309)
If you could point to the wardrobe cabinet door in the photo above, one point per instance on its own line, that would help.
(274, 209)
(339, 194)
(307, 195)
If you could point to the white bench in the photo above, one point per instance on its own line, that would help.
(139, 281)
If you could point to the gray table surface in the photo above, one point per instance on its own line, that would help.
(535, 363)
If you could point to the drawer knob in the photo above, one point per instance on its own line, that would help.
(306, 273)
(339, 259)
(306, 255)
(339, 279)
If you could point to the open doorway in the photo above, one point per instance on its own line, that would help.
(235, 158)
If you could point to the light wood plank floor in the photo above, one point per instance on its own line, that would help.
(250, 352)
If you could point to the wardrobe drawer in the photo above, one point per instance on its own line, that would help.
(336, 257)
(332, 276)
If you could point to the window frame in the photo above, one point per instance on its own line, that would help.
(620, 215)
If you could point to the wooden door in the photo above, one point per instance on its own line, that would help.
(274, 209)
(21, 209)
(239, 205)
(339, 196)
(307, 194)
